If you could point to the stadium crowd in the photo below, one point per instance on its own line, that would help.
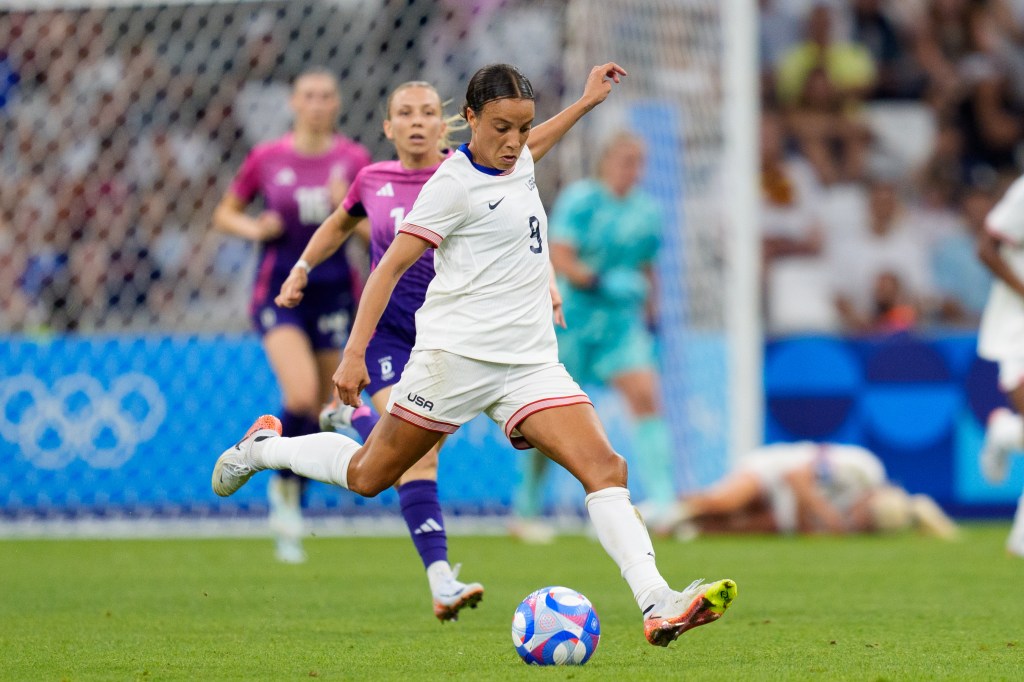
(888, 131)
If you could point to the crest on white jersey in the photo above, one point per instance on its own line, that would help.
(386, 191)
(285, 177)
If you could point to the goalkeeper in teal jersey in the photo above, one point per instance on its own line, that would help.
(605, 233)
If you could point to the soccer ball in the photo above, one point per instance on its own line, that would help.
(555, 626)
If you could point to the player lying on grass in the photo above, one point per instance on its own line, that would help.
(807, 487)
(384, 192)
(485, 342)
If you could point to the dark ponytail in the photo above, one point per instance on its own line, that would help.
(496, 81)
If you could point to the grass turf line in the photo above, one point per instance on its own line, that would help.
(903, 608)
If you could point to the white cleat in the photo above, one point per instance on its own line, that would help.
(235, 466)
(676, 612)
(1001, 436)
(454, 596)
(336, 416)
(289, 551)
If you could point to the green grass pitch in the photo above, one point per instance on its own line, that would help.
(897, 608)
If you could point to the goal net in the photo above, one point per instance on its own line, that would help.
(125, 354)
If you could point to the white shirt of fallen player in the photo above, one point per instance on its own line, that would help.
(1001, 335)
(845, 474)
(490, 298)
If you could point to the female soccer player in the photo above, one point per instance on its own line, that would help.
(301, 177)
(605, 234)
(485, 342)
(385, 192)
(1001, 339)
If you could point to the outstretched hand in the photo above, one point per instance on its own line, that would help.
(599, 82)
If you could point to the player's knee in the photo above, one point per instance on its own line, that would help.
(366, 486)
(608, 471)
(365, 481)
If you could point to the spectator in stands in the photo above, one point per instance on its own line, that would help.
(792, 233)
(882, 279)
(828, 131)
(961, 280)
(808, 488)
(847, 66)
(990, 111)
(899, 75)
(778, 31)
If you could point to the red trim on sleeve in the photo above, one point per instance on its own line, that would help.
(429, 236)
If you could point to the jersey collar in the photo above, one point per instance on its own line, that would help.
(464, 148)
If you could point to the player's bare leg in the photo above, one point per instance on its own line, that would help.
(573, 437)
(652, 444)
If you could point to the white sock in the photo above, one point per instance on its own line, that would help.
(439, 574)
(1015, 542)
(1010, 427)
(323, 456)
(624, 536)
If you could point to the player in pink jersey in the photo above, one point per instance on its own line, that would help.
(300, 178)
(384, 192)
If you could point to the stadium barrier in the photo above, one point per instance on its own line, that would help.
(128, 427)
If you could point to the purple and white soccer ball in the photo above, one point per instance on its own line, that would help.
(555, 626)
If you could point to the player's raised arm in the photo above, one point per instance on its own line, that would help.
(351, 377)
(597, 88)
(327, 239)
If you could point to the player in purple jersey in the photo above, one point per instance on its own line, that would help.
(384, 192)
(300, 178)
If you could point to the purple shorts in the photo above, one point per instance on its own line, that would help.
(325, 318)
(386, 356)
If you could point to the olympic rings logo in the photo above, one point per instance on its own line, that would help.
(79, 418)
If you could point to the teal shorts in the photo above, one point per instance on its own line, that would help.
(597, 359)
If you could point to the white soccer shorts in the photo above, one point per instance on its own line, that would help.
(441, 391)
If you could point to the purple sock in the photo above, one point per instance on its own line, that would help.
(293, 424)
(422, 512)
(363, 421)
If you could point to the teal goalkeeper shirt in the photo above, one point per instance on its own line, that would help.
(612, 236)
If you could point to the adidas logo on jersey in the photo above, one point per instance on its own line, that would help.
(428, 526)
(386, 191)
(285, 176)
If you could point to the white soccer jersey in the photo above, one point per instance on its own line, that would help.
(1001, 336)
(490, 298)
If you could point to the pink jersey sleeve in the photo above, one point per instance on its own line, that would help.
(247, 182)
(353, 202)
